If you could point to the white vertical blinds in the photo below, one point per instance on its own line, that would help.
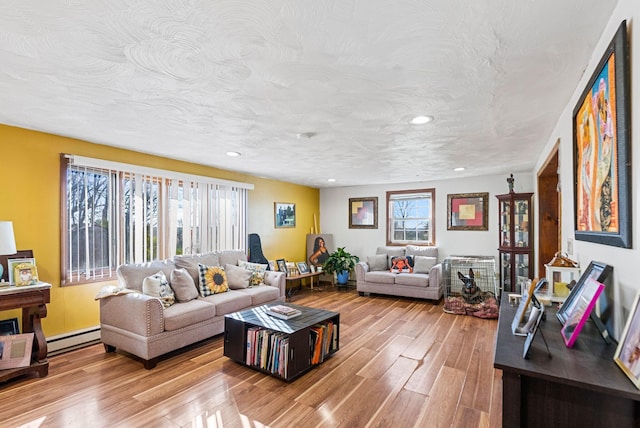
(118, 213)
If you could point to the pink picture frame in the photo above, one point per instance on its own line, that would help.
(584, 304)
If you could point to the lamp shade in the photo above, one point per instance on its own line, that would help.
(7, 238)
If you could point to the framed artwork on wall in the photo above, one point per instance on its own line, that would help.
(468, 211)
(363, 213)
(284, 214)
(602, 163)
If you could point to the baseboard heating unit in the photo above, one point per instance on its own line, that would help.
(73, 340)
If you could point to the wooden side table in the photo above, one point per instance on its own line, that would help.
(298, 278)
(33, 300)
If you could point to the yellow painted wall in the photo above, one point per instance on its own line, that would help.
(30, 197)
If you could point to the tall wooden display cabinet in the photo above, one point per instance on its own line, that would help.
(516, 240)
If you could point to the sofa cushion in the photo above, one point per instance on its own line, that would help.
(213, 280)
(229, 302)
(383, 277)
(132, 275)
(183, 285)
(377, 262)
(237, 277)
(423, 264)
(231, 257)
(257, 269)
(262, 295)
(422, 250)
(157, 286)
(190, 263)
(188, 313)
(413, 279)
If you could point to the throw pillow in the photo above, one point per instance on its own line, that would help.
(402, 264)
(237, 277)
(158, 286)
(213, 280)
(257, 269)
(423, 264)
(183, 285)
(377, 262)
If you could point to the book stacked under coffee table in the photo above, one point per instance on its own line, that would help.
(284, 348)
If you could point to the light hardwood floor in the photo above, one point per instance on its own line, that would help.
(401, 363)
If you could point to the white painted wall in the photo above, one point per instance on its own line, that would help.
(334, 214)
(625, 282)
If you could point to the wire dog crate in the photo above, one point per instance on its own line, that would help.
(484, 272)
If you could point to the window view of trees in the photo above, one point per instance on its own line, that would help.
(411, 217)
(116, 217)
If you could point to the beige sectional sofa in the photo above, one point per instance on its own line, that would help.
(139, 324)
(425, 281)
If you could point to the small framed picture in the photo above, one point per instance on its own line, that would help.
(12, 263)
(302, 267)
(284, 214)
(25, 274)
(363, 213)
(282, 265)
(584, 303)
(272, 265)
(627, 355)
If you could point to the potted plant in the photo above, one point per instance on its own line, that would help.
(340, 262)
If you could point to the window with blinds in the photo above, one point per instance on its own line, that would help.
(410, 217)
(116, 213)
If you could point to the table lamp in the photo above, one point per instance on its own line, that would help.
(7, 241)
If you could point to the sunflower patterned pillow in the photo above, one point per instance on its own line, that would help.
(213, 280)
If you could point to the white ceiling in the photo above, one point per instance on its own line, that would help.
(192, 80)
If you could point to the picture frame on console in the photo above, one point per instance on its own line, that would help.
(627, 355)
(13, 263)
(284, 214)
(602, 162)
(585, 300)
(468, 211)
(363, 213)
(597, 271)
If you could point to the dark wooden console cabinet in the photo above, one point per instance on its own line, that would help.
(296, 329)
(33, 300)
(579, 386)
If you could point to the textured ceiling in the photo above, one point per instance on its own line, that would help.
(192, 80)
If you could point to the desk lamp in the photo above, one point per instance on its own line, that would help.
(7, 241)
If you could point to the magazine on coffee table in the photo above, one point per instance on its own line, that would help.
(283, 312)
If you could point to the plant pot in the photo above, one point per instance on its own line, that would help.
(343, 277)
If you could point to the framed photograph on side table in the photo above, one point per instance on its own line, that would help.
(595, 270)
(282, 266)
(627, 355)
(12, 263)
(303, 268)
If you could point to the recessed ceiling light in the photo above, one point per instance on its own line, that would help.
(331, 180)
(458, 169)
(233, 154)
(421, 120)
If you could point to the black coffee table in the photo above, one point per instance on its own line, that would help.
(301, 333)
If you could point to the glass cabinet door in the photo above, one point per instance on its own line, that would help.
(505, 223)
(505, 270)
(521, 224)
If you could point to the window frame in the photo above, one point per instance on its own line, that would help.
(432, 219)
